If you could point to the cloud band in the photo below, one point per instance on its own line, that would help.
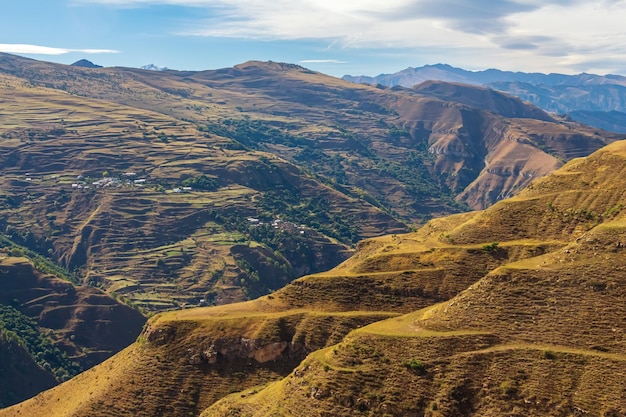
(18, 48)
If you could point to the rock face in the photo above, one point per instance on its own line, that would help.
(242, 349)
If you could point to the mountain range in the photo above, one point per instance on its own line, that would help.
(177, 189)
(596, 100)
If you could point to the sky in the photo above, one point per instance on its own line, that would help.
(336, 37)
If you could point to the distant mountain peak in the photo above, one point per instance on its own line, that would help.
(152, 67)
(269, 65)
(85, 64)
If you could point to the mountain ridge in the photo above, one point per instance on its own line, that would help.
(558, 93)
(482, 77)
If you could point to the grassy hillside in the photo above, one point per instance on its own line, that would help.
(515, 310)
(538, 336)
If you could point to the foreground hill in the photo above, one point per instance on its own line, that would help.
(536, 337)
(515, 310)
(192, 188)
(50, 330)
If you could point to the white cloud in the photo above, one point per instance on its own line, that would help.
(16, 48)
(511, 34)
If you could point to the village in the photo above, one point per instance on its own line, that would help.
(280, 224)
(128, 180)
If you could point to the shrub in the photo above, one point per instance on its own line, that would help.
(415, 365)
(201, 183)
(491, 247)
(548, 354)
(508, 388)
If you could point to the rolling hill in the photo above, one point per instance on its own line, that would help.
(514, 310)
(176, 188)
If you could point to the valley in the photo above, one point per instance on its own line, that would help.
(287, 239)
(337, 162)
(514, 310)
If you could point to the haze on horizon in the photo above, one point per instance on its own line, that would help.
(337, 38)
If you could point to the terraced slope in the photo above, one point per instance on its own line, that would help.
(133, 234)
(515, 310)
(193, 188)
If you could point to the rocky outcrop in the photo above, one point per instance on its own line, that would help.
(244, 349)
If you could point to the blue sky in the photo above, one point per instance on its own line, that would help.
(336, 37)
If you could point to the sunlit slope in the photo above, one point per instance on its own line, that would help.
(186, 361)
(543, 336)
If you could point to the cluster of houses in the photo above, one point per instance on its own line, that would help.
(280, 224)
(127, 179)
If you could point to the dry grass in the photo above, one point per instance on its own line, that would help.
(538, 336)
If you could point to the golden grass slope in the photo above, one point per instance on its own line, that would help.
(543, 336)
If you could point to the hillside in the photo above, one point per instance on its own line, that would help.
(514, 310)
(557, 93)
(51, 330)
(614, 121)
(178, 188)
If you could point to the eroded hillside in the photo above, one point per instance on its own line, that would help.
(50, 329)
(515, 310)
